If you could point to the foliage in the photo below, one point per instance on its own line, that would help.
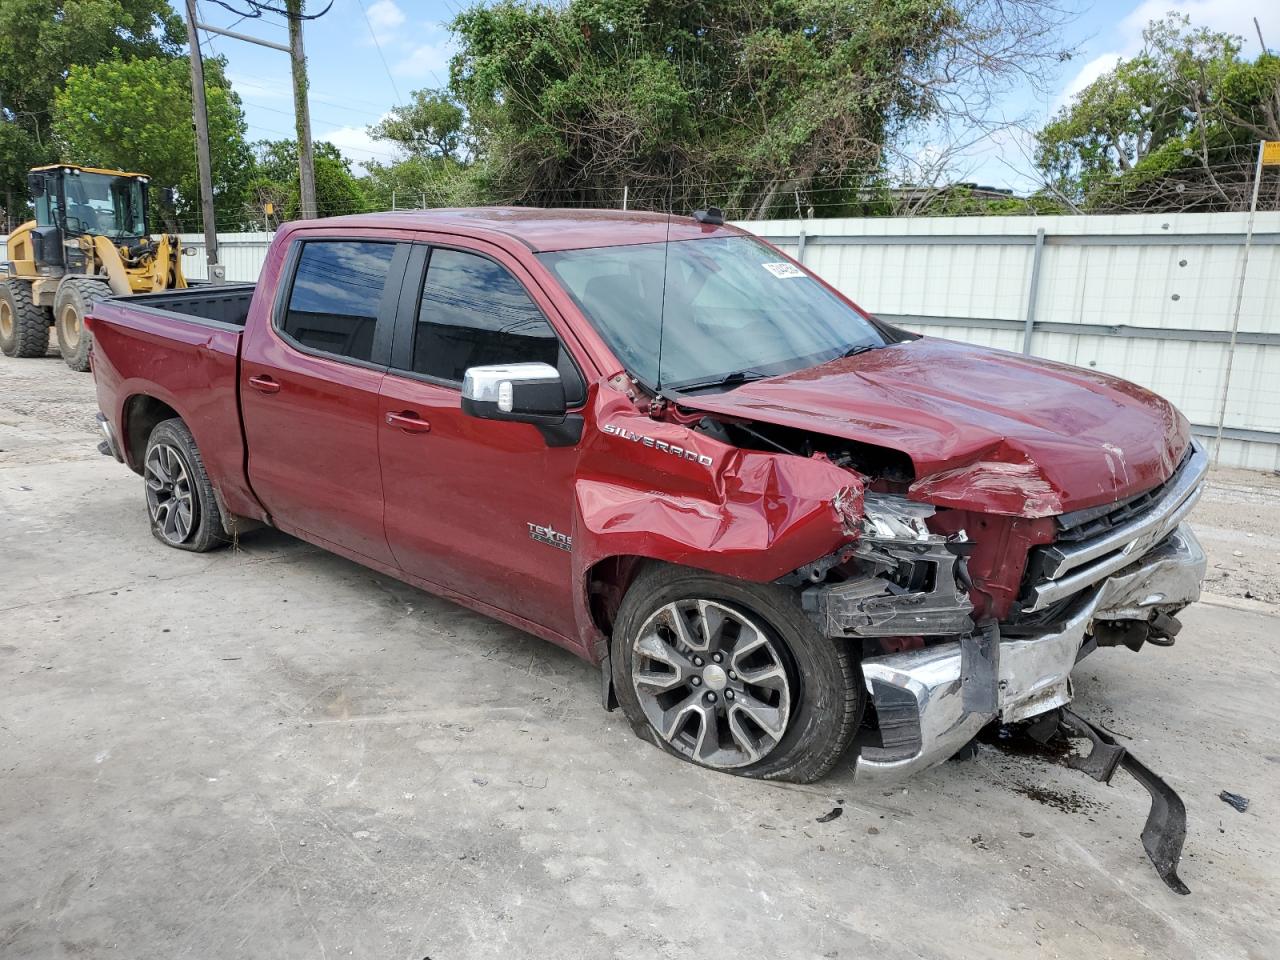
(758, 105)
(432, 125)
(418, 181)
(962, 200)
(754, 99)
(1172, 128)
(135, 114)
(40, 40)
(275, 180)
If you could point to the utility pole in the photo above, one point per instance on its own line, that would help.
(1268, 155)
(302, 116)
(7, 224)
(200, 115)
(301, 112)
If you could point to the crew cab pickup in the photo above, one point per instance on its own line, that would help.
(783, 528)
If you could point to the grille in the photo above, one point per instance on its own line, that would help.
(1096, 521)
(1094, 543)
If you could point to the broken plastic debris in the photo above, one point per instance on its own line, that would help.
(828, 817)
(1237, 801)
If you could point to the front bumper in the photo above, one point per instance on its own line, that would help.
(924, 714)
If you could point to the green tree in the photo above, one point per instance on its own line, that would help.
(436, 167)
(432, 125)
(426, 181)
(40, 41)
(136, 115)
(274, 180)
(748, 104)
(1171, 128)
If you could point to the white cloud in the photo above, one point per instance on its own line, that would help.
(1232, 16)
(1088, 73)
(429, 59)
(356, 144)
(385, 19)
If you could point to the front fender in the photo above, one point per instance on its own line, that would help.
(663, 491)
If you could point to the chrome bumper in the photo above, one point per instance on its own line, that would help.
(919, 695)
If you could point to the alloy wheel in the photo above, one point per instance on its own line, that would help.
(712, 682)
(170, 499)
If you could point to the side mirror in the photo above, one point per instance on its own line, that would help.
(167, 197)
(35, 185)
(519, 392)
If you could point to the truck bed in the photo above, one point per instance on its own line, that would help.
(227, 304)
(182, 349)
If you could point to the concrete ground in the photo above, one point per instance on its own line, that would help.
(272, 752)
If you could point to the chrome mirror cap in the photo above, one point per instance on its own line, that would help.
(522, 392)
(494, 383)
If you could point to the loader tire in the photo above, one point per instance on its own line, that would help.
(76, 298)
(24, 327)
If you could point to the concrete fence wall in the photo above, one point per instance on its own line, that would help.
(1151, 298)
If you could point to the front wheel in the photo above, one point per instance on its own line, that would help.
(180, 501)
(733, 676)
(75, 298)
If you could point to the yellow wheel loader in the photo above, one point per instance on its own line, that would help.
(88, 241)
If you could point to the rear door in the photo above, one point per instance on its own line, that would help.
(309, 386)
(476, 506)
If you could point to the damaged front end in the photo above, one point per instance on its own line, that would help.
(936, 677)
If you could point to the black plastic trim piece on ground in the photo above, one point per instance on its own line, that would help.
(1166, 827)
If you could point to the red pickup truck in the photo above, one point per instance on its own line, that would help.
(780, 525)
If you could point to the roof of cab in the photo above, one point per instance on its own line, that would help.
(76, 166)
(545, 230)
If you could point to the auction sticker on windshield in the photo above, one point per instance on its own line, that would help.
(783, 271)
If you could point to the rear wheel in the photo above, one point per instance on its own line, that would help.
(180, 501)
(733, 676)
(75, 299)
(24, 327)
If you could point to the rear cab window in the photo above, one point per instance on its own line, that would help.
(337, 293)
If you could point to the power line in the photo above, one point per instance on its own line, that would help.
(257, 9)
(377, 46)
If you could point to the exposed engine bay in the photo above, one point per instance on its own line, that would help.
(953, 640)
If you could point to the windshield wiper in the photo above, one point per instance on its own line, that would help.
(736, 378)
(860, 348)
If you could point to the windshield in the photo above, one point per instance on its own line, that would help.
(99, 203)
(734, 310)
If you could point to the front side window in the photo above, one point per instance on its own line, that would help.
(703, 312)
(473, 313)
(337, 291)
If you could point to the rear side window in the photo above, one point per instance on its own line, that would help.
(473, 312)
(337, 290)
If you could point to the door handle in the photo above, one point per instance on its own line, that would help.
(408, 422)
(264, 384)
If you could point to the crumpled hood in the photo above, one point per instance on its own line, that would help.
(986, 430)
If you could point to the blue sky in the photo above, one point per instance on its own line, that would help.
(365, 56)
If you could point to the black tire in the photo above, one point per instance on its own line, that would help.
(204, 530)
(825, 686)
(75, 299)
(24, 327)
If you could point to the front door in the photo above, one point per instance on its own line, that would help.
(309, 387)
(482, 508)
